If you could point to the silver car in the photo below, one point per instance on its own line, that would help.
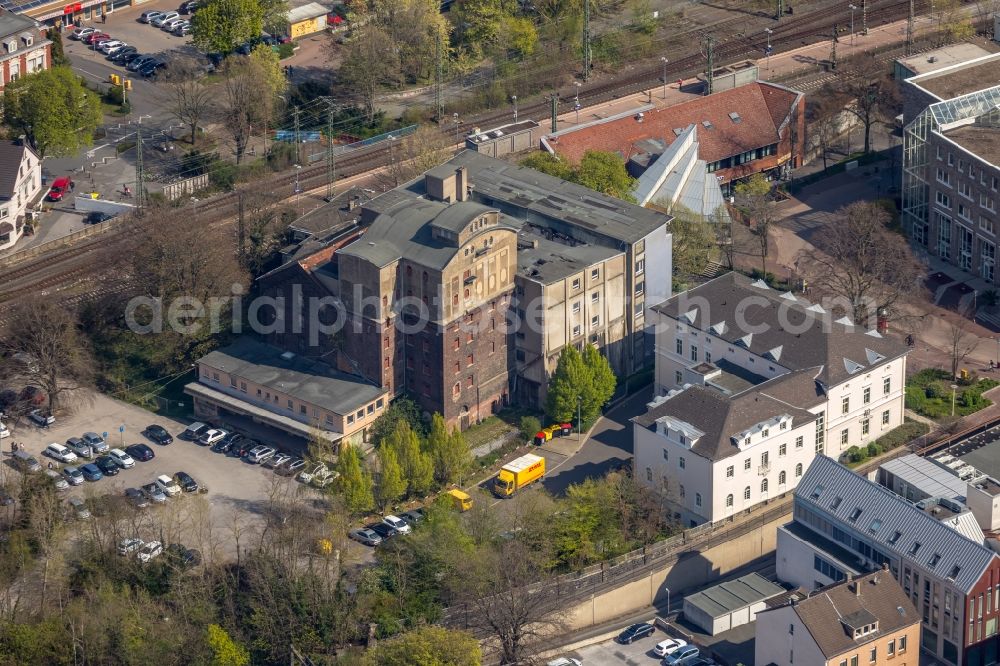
(73, 475)
(95, 442)
(79, 447)
(57, 479)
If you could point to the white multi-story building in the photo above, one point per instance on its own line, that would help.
(20, 185)
(752, 383)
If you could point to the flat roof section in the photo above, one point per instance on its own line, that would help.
(946, 56)
(985, 458)
(953, 82)
(546, 261)
(979, 140)
(733, 595)
(927, 476)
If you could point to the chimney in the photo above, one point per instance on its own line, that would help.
(353, 203)
(857, 588)
(461, 184)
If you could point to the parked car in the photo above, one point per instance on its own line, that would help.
(397, 523)
(107, 465)
(97, 217)
(182, 29)
(157, 434)
(154, 493)
(91, 472)
(150, 551)
(170, 24)
(681, 656)
(211, 436)
(95, 442)
(58, 480)
(182, 555)
(669, 646)
(79, 447)
(365, 536)
(79, 508)
(136, 498)
(111, 46)
(125, 49)
(129, 546)
(95, 36)
(224, 445)
(101, 41)
(25, 462)
(189, 6)
(185, 481)
(158, 21)
(80, 33)
(140, 452)
(259, 454)
(73, 475)
(139, 62)
(635, 632)
(123, 459)
(146, 17)
(413, 516)
(168, 485)
(277, 460)
(242, 446)
(60, 453)
(292, 467)
(564, 661)
(382, 530)
(4, 431)
(125, 56)
(319, 476)
(42, 418)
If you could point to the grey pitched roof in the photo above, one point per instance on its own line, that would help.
(308, 380)
(402, 228)
(883, 514)
(733, 595)
(795, 331)
(13, 24)
(720, 416)
(831, 614)
(11, 155)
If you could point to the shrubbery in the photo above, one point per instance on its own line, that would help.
(928, 393)
(893, 439)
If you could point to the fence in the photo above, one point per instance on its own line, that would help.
(187, 186)
(68, 239)
(351, 147)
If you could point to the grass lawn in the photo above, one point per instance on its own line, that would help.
(929, 394)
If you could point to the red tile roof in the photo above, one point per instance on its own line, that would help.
(762, 108)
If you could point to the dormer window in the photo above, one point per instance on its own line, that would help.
(11, 45)
(765, 432)
(747, 441)
(683, 440)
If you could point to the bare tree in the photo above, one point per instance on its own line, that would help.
(961, 343)
(261, 226)
(865, 82)
(414, 154)
(366, 65)
(753, 197)
(241, 105)
(189, 99)
(44, 348)
(985, 11)
(824, 122)
(857, 259)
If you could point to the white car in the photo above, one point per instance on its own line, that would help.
(163, 18)
(259, 454)
(396, 523)
(41, 418)
(149, 551)
(123, 459)
(4, 431)
(126, 546)
(60, 453)
(210, 437)
(307, 476)
(80, 33)
(146, 17)
(170, 24)
(168, 485)
(111, 45)
(669, 646)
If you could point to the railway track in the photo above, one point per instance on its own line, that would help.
(74, 266)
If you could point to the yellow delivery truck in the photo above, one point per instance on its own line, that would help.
(517, 474)
(460, 500)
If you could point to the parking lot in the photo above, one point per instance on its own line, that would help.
(610, 652)
(240, 497)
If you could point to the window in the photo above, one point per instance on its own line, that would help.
(746, 493)
(694, 353)
(865, 426)
(291, 405)
(380, 403)
(640, 287)
(781, 478)
(765, 432)
(576, 331)
(964, 189)
(964, 212)
(371, 408)
(854, 660)
(576, 283)
(666, 454)
(456, 389)
(886, 385)
(468, 381)
(987, 202)
(943, 199)
(855, 514)
(933, 562)
(866, 395)
(576, 308)
(890, 648)
(746, 464)
(843, 437)
(729, 500)
(350, 419)
(680, 462)
(914, 548)
(763, 486)
(902, 644)
(782, 449)
(895, 537)
(595, 274)
(798, 470)
(680, 490)
(640, 266)
(872, 655)
(708, 356)
(679, 346)
(885, 417)
(798, 442)
(845, 404)
(243, 386)
(595, 321)
(697, 499)
(595, 297)
(943, 177)
(649, 474)
(820, 432)
(678, 377)
(730, 472)
(783, 425)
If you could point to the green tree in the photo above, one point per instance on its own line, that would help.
(271, 75)
(519, 35)
(605, 172)
(480, 23)
(391, 485)
(401, 409)
(225, 651)
(546, 162)
(529, 426)
(693, 241)
(602, 381)
(59, 58)
(53, 110)
(220, 26)
(427, 646)
(418, 468)
(566, 385)
(448, 450)
(355, 482)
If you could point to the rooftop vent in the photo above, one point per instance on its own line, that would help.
(735, 117)
(707, 124)
(678, 131)
(639, 116)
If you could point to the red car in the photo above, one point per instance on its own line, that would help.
(90, 39)
(60, 187)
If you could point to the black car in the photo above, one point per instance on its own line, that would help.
(382, 530)
(151, 68)
(97, 217)
(189, 6)
(157, 434)
(182, 555)
(413, 517)
(635, 632)
(140, 452)
(127, 57)
(107, 465)
(139, 62)
(135, 496)
(185, 481)
(114, 56)
(224, 445)
(240, 446)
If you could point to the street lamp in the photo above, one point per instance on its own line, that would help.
(576, 101)
(768, 51)
(513, 98)
(665, 61)
(954, 387)
(852, 8)
(579, 423)
(668, 601)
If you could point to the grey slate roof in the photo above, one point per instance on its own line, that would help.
(305, 379)
(733, 595)
(14, 24)
(826, 480)
(11, 155)
(550, 261)
(720, 416)
(831, 614)
(796, 332)
(402, 228)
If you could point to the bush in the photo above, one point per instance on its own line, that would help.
(873, 449)
(893, 439)
(937, 389)
(286, 51)
(529, 426)
(223, 175)
(196, 163)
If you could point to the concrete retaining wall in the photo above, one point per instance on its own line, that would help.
(85, 204)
